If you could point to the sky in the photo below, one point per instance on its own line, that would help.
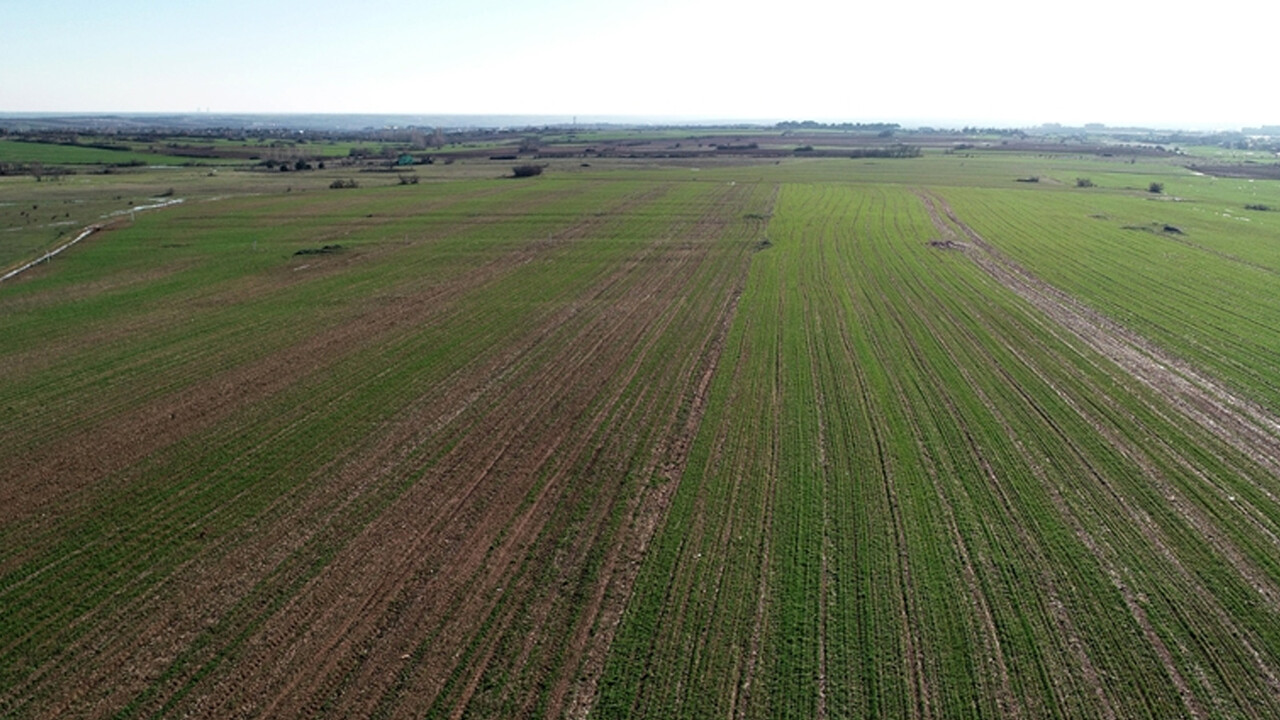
(941, 62)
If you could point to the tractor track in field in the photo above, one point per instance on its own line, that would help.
(1156, 537)
(653, 328)
(205, 575)
(517, 536)
(1105, 556)
(300, 519)
(760, 626)
(813, 336)
(1062, 619)
(466, 506)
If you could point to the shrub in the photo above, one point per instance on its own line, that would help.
(1084, 183)
(1156, 188)
(526, 170)
(343, 184)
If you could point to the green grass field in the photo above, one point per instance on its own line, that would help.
(806, 438)
(13, 151)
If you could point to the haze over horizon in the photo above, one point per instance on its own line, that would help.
(995, 63)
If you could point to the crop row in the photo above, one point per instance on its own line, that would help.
(1187, 275)
(420, 456)
(914, 495)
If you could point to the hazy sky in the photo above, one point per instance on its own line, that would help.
(1009, 63)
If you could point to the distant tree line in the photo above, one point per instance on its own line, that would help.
(40, 171)
(847, 126)
(71, 141)
(1002, 132)
(894, 151)
(1226, 139)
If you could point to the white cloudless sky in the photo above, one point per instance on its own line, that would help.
(929, 61)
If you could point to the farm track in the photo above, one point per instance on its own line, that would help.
(651, 505)
(86, 232)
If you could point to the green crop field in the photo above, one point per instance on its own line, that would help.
(13, 151)
(642, 438)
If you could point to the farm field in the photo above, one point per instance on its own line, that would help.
(14, 151)
(898, 438)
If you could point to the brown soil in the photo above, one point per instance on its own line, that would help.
(515, 474)
(458, 555)
(57, 470)
(198, 594)
(645, 516)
